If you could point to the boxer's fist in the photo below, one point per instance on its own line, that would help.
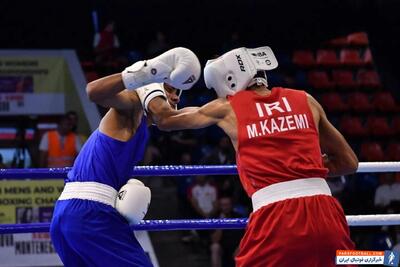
(179, 67)
(133, 200)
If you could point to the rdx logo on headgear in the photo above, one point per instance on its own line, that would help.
(240, 62)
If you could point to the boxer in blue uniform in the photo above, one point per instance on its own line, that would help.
(90, 225)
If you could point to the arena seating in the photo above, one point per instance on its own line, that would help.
(371, 151)
(350, 57)
(396, 125)
(359, 102)
(352, 126)
(378, 126)
(327, 58)
(368, 79)
(304, 58)
(341, 73)
(358, 39)
(384, 101)
(320, 80)
(333, 102)
(367, 57)
(344, 79)
(392, 151)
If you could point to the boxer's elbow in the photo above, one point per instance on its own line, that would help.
(349, 161)
(93, 92)
(352, 163)
(163, 124)
(348, 166)
(168, 119)
(343, 164)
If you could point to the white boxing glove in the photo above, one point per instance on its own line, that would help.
(179, 67)
(133, 201)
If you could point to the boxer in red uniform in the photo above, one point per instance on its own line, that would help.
(279, 136)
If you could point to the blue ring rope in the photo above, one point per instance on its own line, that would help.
(167, 170)
(173, 170)
(145, 225)
(189, 224)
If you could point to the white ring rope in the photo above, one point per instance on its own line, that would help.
(392, 166)
(373, 220)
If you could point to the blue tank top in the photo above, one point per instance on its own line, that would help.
(109, 161)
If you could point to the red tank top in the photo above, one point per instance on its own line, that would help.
(277, 138)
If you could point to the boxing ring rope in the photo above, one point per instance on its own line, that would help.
(189, 170)
(170, 225)
(175, 170)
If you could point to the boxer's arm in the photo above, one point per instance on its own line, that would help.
(341, 159)
(178, 67)
(168, 119)
(125, 107)
(110, 92)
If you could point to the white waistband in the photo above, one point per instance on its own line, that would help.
(90, 191)
(290, 189)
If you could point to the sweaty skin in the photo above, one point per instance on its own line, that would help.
(339, 158)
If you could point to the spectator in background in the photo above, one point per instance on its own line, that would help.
(106, 44)
(73, 116)
(203, 199)
(2, 165)
(19, 157)
(59, 148)
(388, 193)
(224, 243)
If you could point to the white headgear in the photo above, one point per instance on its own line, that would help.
(235, 70)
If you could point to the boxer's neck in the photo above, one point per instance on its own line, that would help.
(260, 89)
